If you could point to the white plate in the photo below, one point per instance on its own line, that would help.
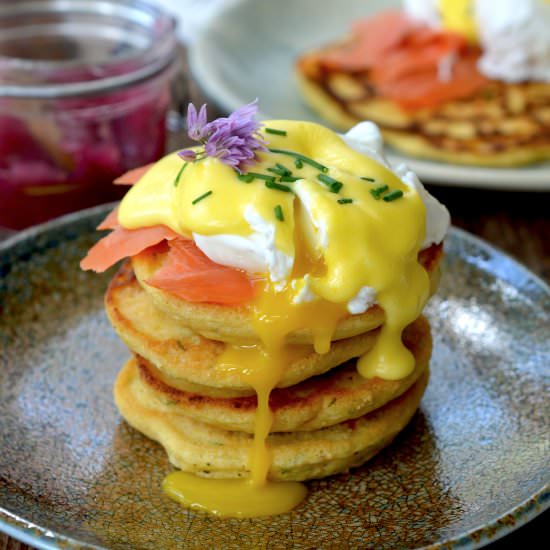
(248, 51)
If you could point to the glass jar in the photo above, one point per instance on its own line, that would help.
(84, 94)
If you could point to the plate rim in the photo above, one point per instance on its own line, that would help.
(534, 178)
(46, 539)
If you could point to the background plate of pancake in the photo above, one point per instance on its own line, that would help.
(471, 466)
(251, 48)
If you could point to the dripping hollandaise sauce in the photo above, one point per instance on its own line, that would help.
(331, 217)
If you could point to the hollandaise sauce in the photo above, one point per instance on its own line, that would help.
(347, 223)
(262, 366)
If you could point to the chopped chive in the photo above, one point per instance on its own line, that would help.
(395, 194)
(280, 170)
(303, 158)
(279, 213)
(200, 197)
(289, 179)
(326, 179)
(275, 131)
(265, 177)
(344, 201)
(367, 179)
(333, 185)
(298, 163)
(180, 172)
(283, 168)
(378, 191)
(247, 178)
(278, 186)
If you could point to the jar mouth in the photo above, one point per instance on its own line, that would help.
(67, 48)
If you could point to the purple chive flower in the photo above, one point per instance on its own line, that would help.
(234, 140)
(188, 155)
(196, 123)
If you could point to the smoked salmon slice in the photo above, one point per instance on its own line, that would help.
(412, 64)
(132, 176)
(186, 272)
(123, 243)
(111, 221)
(370, 39)
(189, 274)
(423, 88)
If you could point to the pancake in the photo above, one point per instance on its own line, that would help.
(233, 324)
(338, 395)
(186, 361)
(501, 125)
(207, 451)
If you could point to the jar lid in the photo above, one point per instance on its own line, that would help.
(64, 48)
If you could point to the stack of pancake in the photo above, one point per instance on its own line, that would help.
(176, 390)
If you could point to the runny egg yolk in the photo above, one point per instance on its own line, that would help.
(338, 248)
(459, 16)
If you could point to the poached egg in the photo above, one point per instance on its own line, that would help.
(265, 246)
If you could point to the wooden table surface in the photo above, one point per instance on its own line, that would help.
(516, 222)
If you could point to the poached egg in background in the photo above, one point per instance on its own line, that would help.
(514, 36)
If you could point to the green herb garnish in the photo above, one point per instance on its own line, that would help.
(200, 197)
(367, 179)
(303, 158)
(275, 131)
(298, 163)
(279, 213)
(278, 186)
(247, 178)
(395, 194)
(265, 177)
(333, 185)
(289, 179)
(344, 201)
(280, 170)
(378, 191)
(180, 172)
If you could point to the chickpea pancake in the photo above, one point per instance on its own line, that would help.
(207, 451)
(338, 395)
(233, 324)
(183, 360)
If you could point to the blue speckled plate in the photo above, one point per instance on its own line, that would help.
(249, 51)
(472, 465)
